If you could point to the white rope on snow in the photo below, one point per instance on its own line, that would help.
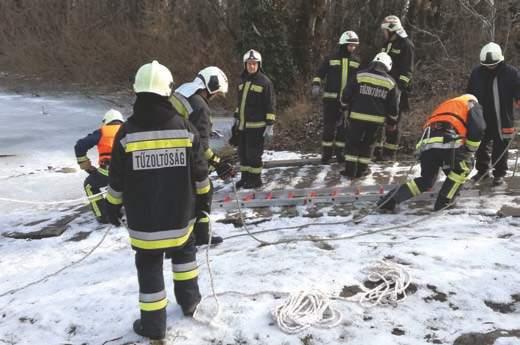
(305, 309)
(393, 281)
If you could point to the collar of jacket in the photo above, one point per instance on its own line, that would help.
(151, 110)
(247, 76)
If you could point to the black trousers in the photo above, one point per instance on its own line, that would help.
(453, 164)
(390, 145)
(201, 228)
(250, 150)
(152, 293)
(93, 184)
(362, 138)
(496, 146)
(333, 138)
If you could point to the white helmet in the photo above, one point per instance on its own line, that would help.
(385, 59)
(214, 79)
(112, 115)
(253, 55)
(491, 54)
(469, 97)
(154, 78)
(349, 37)
(391, 23)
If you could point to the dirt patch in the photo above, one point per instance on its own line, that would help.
(503, 308)
(80, 236)
(398, 332)
(485, 338)
(56, 228)
(349, 291)
(437, 295)
(323, 245)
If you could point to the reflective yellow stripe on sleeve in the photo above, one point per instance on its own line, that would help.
(208, 153)
(82, 159)
(404, 78)
(270, 117)
(202, 187)
(114, 197)
(472, 145)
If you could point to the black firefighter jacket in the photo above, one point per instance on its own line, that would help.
(372, 97)
(401, 50)
(256, 101)
(197, 110)
(496, 90)
(159, 173)
(338, 70)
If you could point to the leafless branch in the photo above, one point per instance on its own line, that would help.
(437, 38)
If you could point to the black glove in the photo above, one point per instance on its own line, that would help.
(225, 170)
(233, 141)
(114, 213)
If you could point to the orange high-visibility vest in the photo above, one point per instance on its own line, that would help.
(104, 145)
(454, 111)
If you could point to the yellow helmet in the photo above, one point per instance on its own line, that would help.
(154, 78)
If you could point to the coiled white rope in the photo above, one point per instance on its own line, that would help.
(306, 309)
(71, 201)
(392, 281)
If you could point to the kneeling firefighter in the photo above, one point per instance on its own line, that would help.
(451, 136)
(103, 139)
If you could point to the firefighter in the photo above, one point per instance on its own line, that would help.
(254, 118)
(497, 86)
(337, 70)
(451, 135)
(160, 175)
(191, 100)
(373, 100)
(401, 50)
(97, 178)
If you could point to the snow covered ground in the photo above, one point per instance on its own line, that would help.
(463, 263)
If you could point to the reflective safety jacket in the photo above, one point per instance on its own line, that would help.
(103, 138)
(256, 101)
(401, 50)
(196, 109)
(159, 174)
(372, 97)
(337, 70)
(496, 90)
(456, 115)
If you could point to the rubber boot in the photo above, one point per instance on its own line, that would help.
(254, 181)
(201, 231)
(244, 177)
(326, 154)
